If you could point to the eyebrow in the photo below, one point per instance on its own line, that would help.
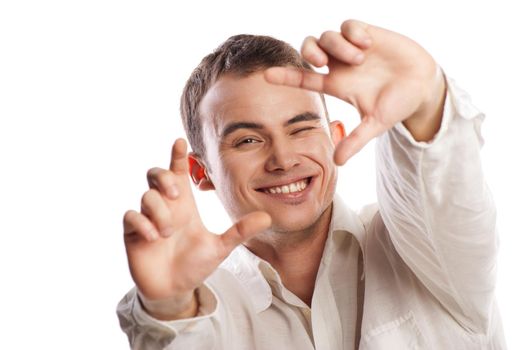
(303, 117)
(232, 127)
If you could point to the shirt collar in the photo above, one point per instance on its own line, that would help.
(345, 221)
(244, 265)
(247, 267)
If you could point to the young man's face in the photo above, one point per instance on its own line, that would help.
(269, 148)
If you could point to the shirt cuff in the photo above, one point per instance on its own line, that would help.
(208, 305)
(457, 104)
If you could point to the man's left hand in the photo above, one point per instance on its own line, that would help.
(386, 76)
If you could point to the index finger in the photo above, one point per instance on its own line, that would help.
(295, 77)
(179, 161)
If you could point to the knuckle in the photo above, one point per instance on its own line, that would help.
(328, 37)
(309, 41)
(151, 173)
(160, 179)
(348, 25)
(307, 45)
(164, 177)
(129, 216)
(333, 42)
(148, 198)
(132, 223)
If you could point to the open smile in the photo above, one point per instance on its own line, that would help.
(293, 189)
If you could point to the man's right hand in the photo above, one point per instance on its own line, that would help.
(169, 250)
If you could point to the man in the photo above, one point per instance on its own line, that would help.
(298, 270)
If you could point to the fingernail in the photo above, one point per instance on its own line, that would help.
(359, 58)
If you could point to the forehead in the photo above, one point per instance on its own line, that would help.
(252, 99)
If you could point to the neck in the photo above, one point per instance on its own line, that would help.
(295, 255)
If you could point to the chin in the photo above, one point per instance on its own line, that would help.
(282, 223)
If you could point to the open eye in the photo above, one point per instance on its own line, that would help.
(246, 141)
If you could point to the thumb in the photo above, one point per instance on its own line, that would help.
(247, 227)
(356, 140)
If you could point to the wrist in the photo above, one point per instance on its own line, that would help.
(170, 309)
(426, 121)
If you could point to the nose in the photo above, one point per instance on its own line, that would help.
(282, 157)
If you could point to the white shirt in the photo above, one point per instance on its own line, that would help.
(417, 270)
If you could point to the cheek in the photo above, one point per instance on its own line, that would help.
(235, 174)
(322, 153)
(320, 148)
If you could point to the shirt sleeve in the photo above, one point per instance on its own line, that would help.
(439, 211)
(146, 332)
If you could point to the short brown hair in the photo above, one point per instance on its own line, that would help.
(240, 55)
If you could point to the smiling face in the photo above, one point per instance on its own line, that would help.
(269, 148)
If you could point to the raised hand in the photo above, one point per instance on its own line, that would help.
(386, 76)
(170, 252)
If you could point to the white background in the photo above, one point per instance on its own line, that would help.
(89, 94)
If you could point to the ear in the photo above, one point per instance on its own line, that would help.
(337, 131)
(198, 173)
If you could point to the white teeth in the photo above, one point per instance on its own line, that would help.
(291, 188)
